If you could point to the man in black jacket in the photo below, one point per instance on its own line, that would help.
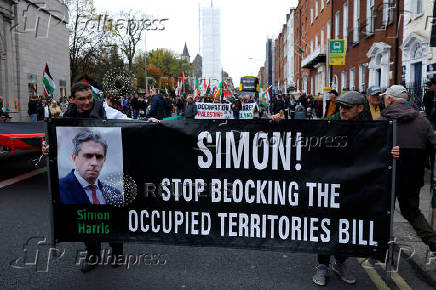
(414, 133)
(236, 108)
(157, 109)
(278, 105)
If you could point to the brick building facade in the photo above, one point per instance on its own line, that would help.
(374, 45)
(372, 52)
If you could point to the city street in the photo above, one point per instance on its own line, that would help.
(218, 144)
(24, 212)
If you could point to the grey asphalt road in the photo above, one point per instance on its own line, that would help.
(24, 213)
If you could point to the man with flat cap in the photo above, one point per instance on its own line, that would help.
(351, 105)
(373, 104)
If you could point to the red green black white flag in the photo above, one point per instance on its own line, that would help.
(47, 80)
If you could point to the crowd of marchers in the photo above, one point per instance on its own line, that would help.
(414, 150)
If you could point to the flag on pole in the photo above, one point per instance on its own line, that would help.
(47, 80)
(178, 88)
(208, 88)
(7, 109)
(197, 91)
(96, 93)
(264, 96)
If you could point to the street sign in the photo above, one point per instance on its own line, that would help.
(337, 52)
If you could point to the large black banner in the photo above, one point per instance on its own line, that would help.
(313, 186)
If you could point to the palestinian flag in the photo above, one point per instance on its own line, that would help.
(208, 88)
(96, 93)
(196, 90)
(47, 80)
(7, 109)
(177, 91)
(264, 96)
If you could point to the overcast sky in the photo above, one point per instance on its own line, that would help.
(245, 26)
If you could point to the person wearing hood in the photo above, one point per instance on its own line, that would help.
(414, 133)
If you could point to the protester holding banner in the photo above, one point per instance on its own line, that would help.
(85, 106)
(191, 108)
(351, 105)
(414, 133)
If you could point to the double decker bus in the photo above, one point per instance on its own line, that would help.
(249, 86)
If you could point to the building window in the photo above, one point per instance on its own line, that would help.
(362, 73)
(335, 82)
(370, 16)
(316, 8)
(311, 15)
(356, 17)
(312, 81)
(388, 12)
(337, 17)
(316, 41)
(322, 5)
(32, 85)
(63, 88)
(352, 79)
(322, 37)
(343, 80)
(379, 55)
(417, 7)
(345, 24)
(305, 84)
(328, 30)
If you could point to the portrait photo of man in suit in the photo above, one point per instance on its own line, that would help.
(82, 184)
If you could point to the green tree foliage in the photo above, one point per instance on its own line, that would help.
(163, 66)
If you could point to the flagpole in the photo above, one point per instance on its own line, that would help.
(145, 60)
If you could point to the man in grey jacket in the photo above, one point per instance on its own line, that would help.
(191, 108)
(414, 133)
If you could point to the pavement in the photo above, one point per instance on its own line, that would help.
(409, 245)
